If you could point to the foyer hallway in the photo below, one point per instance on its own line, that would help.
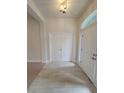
(61, 77)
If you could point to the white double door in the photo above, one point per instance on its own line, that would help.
(60, 46)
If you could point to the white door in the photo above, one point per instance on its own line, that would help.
(93, 53)
(95, 56)
(60, 46)
(89, 51)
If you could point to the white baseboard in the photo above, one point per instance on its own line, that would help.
(43, 61)
(34, 61)
(74, 61)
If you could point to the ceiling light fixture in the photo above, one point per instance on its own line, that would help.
(63, 7)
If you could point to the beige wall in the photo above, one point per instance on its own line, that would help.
(33, 40)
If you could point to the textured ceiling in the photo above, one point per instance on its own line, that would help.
(50, 8)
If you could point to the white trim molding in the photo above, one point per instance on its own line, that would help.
(45, 61)
(34, 60)
(42, 61)
(32, 7)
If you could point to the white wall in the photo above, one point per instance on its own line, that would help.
(33, 40)
(68, 25)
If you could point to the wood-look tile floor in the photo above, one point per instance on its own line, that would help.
(61, 77)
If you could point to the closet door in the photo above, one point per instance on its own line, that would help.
(60, 46)
(67, 47)
(56, 47)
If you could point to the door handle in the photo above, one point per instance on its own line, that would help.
(93, 58)
(95, 55)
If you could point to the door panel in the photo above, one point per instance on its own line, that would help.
(60, 46)
(56, 48)
(67, 47)
(89, 49)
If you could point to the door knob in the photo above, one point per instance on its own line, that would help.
(95, 55)
(93, 58)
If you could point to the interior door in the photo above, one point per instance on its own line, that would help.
(55, 47)
(95, 56)
(89, 51)
(85, 52)
(93, 53)
(60, 46)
